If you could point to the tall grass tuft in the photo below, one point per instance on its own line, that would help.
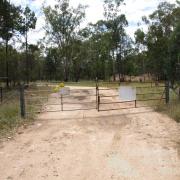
(9, 116)
(172, 109)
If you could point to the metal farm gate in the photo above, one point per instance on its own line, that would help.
(110, 98)
(103, 97)
(46, 100)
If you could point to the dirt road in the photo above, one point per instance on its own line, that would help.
(131, 144)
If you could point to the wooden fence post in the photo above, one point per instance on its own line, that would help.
(1, 94)
(98, 102)
(97, 93)
(167, 91)
(22, 102)
(96, 96)
(62, 102)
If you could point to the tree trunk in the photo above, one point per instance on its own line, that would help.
(66, 68)
(77, 76)
(27, 64)
(7, 65)
(39, 73)
(119, 73)
(66, 71)
(119, 64)
(114, 73)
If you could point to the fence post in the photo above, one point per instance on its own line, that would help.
(135, 104)
(1, 94)
(96, 96)
(97, 92)
(179, 93)
(22, 102)
(61, 102)
(98, 102)
(167, 91)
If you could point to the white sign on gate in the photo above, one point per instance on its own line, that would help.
(65, 91)
(127, 93)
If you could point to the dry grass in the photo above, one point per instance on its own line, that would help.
(172, 109)
(36, 96)
(10, 118)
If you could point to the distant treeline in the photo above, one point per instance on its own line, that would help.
(103, 49)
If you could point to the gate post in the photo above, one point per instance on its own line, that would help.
(98, 102)
(22, 102)
(167, 91)
(96, 96)
(97, 93)
(61, 102)
(1, 94)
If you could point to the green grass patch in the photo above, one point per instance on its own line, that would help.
(172, 109)
(36, 96)
(152, 92)
(10, 118)
(80, 83)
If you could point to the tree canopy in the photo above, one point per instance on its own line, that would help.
(71, 52)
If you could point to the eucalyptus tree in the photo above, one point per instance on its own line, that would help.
(161, 24)
(99, 41)
(79, 49)
(104, 45)
(51, 64)
(9, 17)
(62, 23)
(116, 29)
(98, 48)
(141, 46)
(160, 29)
(116, 24)
(33, 65)
(27, 22)
(174, 48)
(112, 8)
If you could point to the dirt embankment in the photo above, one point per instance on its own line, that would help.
(137, 144)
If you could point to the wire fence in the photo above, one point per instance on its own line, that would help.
(103, 97)
(95, 98)
(82, 98)
(7, 95)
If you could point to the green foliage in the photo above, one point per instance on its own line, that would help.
(9, 19)
(172, 110)
(9, 115)
(9, 15)
(62, 24)
(112, 8)
(27, 21)
(102, 49)
(14, 20)
(160, 42)
(175, 53)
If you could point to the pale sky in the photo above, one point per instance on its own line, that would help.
(134, 10)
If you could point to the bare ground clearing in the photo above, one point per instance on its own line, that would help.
(128, 144)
